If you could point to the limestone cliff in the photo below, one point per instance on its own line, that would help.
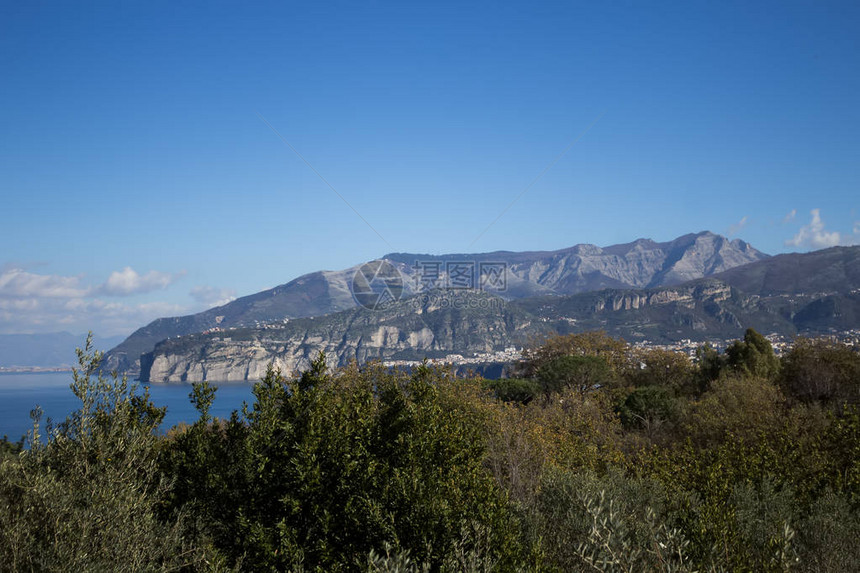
(463, 322)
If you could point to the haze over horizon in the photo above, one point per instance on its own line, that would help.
(148, 169)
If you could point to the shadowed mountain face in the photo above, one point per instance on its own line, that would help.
(468, 322)
(582, 268)
(834, 270)
(313, 294)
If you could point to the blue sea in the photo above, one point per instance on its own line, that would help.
(20, 393)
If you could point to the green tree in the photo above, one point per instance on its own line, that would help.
(736, 407)
(821, 370)
(753, 355)
(84, 496)
(665, 368)
(520, 390)
(207, 464)
(649, 408)
(582, 373)
(341, 462)
(613, 351)
(710, 364)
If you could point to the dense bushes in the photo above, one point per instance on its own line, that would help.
(84, 497)
(821, 370)
(600, 457)
(333, 465)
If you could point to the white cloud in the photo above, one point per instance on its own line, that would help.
(211, 296)
(790, 217)
(16, 282)
(19, 304)
(733, 229)
(26, 315)
(814, 235)
(128, 281)
(31, 302)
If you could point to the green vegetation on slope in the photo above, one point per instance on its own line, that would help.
(599, 457)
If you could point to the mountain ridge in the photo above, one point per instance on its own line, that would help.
(705, 309)
(580, 268)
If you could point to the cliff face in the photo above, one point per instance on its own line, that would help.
(460, 322)
(314, 294)
(230, 360)
(683, 296)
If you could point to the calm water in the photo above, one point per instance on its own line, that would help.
(19, 393)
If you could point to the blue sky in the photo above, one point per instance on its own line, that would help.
(138, 179)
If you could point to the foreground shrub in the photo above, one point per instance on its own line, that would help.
(84, 497)
(827, 535)
(588, 522)
(643, 465)
(338, 463)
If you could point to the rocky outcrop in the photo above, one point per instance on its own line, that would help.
(228, 360)
(683, 296)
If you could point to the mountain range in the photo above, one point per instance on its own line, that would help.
(582, 268)
(784, 295)
(699, 287)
